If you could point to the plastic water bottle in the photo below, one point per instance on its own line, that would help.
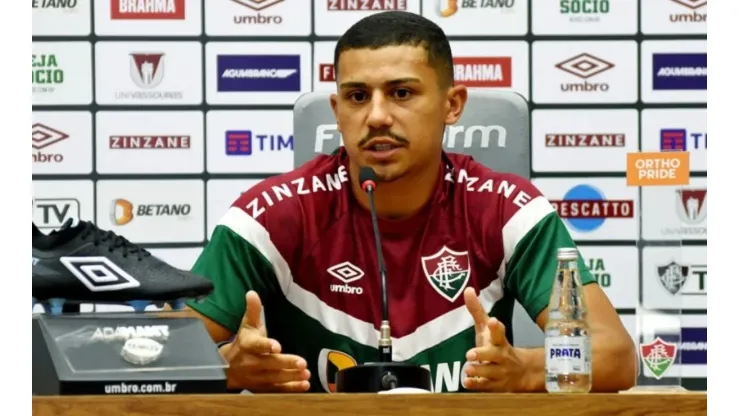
(567, 337)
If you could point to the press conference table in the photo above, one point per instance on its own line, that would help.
(686, 404)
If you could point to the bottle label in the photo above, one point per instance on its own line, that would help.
(568, 355)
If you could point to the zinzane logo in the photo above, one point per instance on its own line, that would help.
(99, 274)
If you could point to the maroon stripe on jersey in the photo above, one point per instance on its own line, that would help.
(430, 258)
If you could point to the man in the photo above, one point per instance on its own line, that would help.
(458, 253)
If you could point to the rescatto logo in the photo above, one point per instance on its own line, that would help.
(585, 208)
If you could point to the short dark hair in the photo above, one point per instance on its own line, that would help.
(396, 28)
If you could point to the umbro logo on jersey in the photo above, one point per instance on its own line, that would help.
(99, 274)
(347, 273)
(448, 272)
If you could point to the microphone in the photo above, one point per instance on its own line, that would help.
(384, 375)
(368, 181)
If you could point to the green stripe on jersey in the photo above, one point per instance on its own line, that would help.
(532, 238)
(235, 267)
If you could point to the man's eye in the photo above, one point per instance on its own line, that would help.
(357, 96)
(402, 93)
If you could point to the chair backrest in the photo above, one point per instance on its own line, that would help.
(494, 128)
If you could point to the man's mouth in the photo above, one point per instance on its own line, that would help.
(381, 147)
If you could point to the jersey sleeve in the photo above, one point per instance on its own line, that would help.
(241, 256)
(532, 234)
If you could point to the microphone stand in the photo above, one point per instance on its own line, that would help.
(385, 374)
(384, 344)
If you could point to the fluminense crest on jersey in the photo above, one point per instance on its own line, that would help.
(658, 356)
(447, 271)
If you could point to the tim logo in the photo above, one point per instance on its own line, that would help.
(239, 143)
(147, 69)
(584, 66)
(99, 274)
(672, 139)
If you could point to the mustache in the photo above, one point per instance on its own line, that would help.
(382, 133)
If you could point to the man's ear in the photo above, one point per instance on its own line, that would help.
(457, 96)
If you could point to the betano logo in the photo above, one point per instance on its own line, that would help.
(121, 212)
(447, 8)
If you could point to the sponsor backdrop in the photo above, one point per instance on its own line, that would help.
(151, 117)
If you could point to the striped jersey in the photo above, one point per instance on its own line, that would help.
(306, 246)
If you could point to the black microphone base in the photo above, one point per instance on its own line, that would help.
(377, 377)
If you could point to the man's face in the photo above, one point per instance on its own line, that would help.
(391, 109)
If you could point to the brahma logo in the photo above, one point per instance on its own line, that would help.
(483, 71)
(331, 361)
(584, 66)
(585, 208)
(147, 10)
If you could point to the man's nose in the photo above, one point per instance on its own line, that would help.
(379, 115)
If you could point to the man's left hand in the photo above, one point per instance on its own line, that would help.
(493, 364)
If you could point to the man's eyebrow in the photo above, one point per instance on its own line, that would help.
(394, 82)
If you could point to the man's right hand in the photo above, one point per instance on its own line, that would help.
(255, 361)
